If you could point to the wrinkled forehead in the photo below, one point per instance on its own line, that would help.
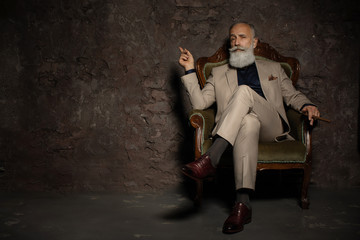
(240, 29)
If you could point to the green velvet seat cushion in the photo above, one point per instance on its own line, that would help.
(274, 152)
(282, 152)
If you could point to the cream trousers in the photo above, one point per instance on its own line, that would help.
(248, 119)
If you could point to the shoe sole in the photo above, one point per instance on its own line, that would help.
(237, 230)
(195, 178)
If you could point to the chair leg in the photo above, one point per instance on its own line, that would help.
(304, 190)
(199, 192)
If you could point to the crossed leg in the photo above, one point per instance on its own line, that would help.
(248, 119)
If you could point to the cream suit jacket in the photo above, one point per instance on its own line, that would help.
(222, 83)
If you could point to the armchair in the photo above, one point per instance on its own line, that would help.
(275, 155)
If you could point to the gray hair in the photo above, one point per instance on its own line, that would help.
(252, 28)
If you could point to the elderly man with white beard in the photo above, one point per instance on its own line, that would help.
(250, 96)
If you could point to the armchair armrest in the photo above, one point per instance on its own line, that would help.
(203, 121)
(300, 129)
(297, 124)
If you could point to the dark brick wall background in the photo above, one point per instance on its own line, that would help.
(91, 97)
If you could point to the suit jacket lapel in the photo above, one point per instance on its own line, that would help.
(263, 78)
(231, 77)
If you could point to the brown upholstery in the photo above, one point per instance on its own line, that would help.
(284, 155)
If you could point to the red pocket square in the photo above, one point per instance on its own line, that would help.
(271, 77)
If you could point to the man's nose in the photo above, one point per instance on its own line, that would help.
(237, 42)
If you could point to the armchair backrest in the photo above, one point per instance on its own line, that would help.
(264, 51)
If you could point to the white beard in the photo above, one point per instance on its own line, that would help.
(240, 59)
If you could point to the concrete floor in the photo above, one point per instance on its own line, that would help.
(333, 214)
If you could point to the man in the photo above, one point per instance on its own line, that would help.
(250, 96)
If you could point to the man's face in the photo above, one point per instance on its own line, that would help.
(240, 35)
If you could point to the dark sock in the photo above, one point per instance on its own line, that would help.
(243, 196)
(216, 150)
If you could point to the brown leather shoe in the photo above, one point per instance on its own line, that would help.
(239, 216)
(200, 168)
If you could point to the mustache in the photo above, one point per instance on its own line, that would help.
(237, 48)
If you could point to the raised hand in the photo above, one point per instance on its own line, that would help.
(186, 59)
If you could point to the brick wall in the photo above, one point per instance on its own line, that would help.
(91, 97)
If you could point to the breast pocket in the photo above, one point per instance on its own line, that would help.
(272, 90)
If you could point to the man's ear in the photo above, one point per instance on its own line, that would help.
(255, 41)
(228, 44)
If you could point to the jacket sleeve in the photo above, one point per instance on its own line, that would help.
(291, 96)
(199, 98)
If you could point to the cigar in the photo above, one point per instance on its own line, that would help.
(318, 118)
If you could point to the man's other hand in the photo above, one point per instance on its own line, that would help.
(311, 111)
